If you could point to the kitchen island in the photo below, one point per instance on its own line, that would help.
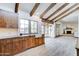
(14, 45)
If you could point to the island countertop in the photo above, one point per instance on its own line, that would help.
(12, 33)
(9, 33)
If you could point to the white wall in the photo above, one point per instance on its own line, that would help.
(77, 32)
(53, 34)
(72, 25)
(62, 25)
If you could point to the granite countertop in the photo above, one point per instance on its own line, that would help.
(12, 33)
(9, 33)
(11, 36)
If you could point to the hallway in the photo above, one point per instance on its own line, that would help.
(60, 46)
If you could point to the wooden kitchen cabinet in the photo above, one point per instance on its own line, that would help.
(40, 40)
(31, 41)
(12, 46)
(36, 41)
(6, 47)
(26, 42)
(16, 46)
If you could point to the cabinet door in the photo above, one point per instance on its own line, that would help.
(20, 44)
(1, 48)
(31, 41)
(36, 41)
(26, 42)
(40, 40)
(6, 47)
(16, 45)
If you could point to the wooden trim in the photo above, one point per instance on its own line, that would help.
(34, 9)
(16, 7)
(58, 10)
(67, 14)
(65, 11)
(52, 5)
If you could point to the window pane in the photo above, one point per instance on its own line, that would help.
(24, 26)
(33, 27)
(42, 27)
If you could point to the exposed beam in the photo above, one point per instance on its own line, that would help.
(51, 5)
(65, 11)
(67, 14)
(47, 21)
(16, 7)
(34, 8)
(58, 10)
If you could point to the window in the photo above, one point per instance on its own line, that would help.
(42, 29)
(34, 27)
(24, 26)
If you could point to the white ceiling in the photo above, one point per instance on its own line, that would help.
(72, 18)
(53, 9)
(42, 7)
(65, 8)
(8, 6)
(26, 7)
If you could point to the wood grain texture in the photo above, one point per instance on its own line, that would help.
(34, 9)
(12, 46)
(65, 11)
(58, 10)
(16, 7)
(67, 14)
(51, 6)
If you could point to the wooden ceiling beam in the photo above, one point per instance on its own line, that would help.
(58, 10)
(16, 7)
(65, 11)
(51, 5)
(67, 14)
(34, 8)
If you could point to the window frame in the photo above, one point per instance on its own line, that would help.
(24, 28)
(31, 27)
(43, 29)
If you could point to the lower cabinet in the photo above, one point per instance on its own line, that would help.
(12, 46)
(37, 41)
(31, 41)
(17, 45)
(40, 40)
(6, 47)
